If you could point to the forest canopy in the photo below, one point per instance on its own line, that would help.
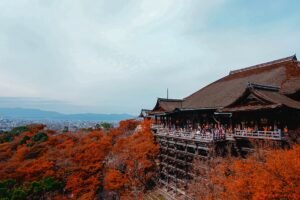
(36, 162)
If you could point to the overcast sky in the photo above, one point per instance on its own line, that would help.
(117, 56)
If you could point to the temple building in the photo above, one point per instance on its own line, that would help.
(145, 114)
(254, 105)
(263, 97)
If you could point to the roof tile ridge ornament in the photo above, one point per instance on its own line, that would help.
(170, 100)
(250, 85)
(266, 64)
(263, 87)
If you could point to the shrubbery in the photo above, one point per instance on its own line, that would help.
(6, 137)
(24, 140)
(106, 126)
(19, 130)
(40, 137)
(9, 189)
(9, 136)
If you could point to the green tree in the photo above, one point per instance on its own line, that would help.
(19, 130)
(6, 137)
(18, 194)
(9, 136)
(50, 184)
(40, 137)
(24, 140)
(36, 188)
(106, 125)
(6, 187)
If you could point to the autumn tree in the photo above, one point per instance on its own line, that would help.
(86, 163)
(132, 159)
(277, 177)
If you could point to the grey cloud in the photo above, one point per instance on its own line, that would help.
(118, 56)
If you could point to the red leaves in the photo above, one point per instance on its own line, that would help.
(79, 185)
(276, 178)
(36, 169)
(128, 125)
(34, 128)
(134, 157)
(115, 180)
(5, 151)
(117, 159)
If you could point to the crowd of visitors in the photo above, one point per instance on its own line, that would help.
(208, 131)
(217, 131)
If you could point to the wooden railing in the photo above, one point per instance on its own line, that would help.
(190, 135)
(157, 126)
(193, 135)
(275, 135)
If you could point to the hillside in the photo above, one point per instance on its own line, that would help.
(37, 163)
(121, 163)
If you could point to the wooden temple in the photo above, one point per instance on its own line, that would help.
(145, 114)
(257, 103)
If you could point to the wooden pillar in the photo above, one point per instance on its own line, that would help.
(167, 153)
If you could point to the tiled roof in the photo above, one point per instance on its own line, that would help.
(284, 73)
(269, 95)
(167, 105)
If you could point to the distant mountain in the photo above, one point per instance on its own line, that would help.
(36, 114)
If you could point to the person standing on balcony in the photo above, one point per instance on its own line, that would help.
(286, 132)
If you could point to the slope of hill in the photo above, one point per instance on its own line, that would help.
(33, 114)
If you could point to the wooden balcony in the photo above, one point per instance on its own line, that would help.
(157, 126)
(273, 135)
(190, 135)
(209, 137)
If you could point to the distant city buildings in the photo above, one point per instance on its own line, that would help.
(57, 125)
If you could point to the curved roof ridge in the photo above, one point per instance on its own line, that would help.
(270, 77)
(278, 98)
(263, 86)
(168, 100)
(290, 58)
(286, 59)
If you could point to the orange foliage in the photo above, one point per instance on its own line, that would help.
(36, 169)
(85, 161)
(82, 188)
(36, 127)
(5, 151)
(133, 159)
(278, 177)
(125, 128)
(122, 161)
(115, 180)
